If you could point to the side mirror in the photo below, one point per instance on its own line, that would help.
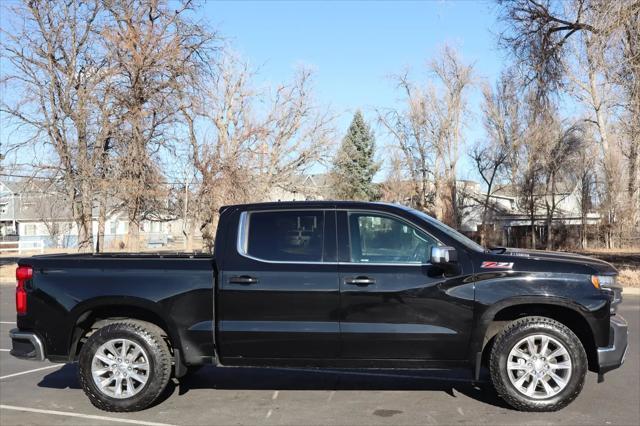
(443, 255)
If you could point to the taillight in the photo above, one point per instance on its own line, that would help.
(23, 274)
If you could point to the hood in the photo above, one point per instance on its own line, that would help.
(600, 266)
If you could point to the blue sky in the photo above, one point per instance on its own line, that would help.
(355, 46)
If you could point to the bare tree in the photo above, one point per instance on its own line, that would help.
(584, 173)
(628, 77)
(55, 64)
(489, 162)
(409, 130)
(428, 132)
(494, 158)
(245, 142)
(591, 84)
(397, 187)
(561, 156)
(605, 34)
(530, 173)
(156, 51)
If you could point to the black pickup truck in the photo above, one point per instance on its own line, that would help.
(324, 284)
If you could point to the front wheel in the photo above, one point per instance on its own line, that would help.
(538, 364)
(124, 366)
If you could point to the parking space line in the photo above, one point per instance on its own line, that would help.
(7, 322)
(82, 416)
(5, 350)
(30, 371)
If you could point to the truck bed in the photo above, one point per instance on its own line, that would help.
(175, 290)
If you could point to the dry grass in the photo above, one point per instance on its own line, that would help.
(629, 277)
(8, 273)
(627, 250)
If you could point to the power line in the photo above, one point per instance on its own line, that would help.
(13, 175)
(25, 176)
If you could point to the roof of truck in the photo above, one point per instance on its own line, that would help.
(315, 203)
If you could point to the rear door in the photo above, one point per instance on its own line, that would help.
(395, 304)
(278, 296)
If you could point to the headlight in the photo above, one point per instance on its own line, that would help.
(600, 281)
(610, 284)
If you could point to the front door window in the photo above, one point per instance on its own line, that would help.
(384, 239)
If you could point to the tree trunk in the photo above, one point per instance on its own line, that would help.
(549, 242)
(133, 236)
(455, 217)
(551, 208)
(190, 237)
(583, 231)
(533, 228)
(188, 231)
(209, 233)
(634, 196)
(102, 219)
(483, 232)
(442, 200)
(585, 204)
(84, 220)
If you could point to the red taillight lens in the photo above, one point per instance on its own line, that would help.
(23, 273)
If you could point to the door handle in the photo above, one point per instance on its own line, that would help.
(361, 281)
(243, 279)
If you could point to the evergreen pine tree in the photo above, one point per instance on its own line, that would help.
(354, 165)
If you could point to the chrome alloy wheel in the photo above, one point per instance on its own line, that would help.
(120, 368)
(539, 366)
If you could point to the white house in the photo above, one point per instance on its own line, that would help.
(35, 214)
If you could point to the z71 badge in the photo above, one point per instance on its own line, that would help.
(497, 265)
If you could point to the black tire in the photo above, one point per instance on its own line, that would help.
(514, 333)
(149, 338)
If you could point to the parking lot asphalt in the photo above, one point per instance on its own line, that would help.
(49, 394)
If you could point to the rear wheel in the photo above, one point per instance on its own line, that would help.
(538, 364)
(124, 366)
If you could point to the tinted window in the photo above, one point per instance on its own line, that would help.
(286, 235)
(382, 239)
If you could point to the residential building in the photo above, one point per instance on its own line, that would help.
(33, 212)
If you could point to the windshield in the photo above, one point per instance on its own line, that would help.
(449, 231)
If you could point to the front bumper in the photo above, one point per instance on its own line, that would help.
(26, 345)
(612, 356)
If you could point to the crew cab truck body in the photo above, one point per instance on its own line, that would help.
(315, 284)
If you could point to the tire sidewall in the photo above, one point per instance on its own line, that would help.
(151, 388)
(576, 354)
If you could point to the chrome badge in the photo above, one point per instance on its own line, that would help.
(497, 265)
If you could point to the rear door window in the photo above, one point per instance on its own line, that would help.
(286, 236)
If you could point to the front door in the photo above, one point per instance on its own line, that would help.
(279, 294)
(394, 303)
